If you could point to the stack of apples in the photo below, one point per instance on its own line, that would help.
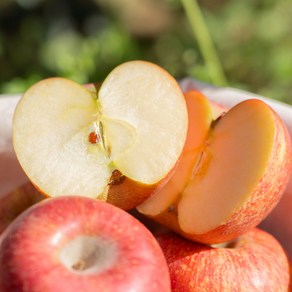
(206, 175)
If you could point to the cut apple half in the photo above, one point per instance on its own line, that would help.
(128, 135)
(236, 180)
(200, 118)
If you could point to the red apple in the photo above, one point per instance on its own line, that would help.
(278, 221)
(118, 142)
(16, 201)
(254, 262)
(233, 178)
(80, 244)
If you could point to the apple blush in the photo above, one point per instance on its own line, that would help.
(74, 243)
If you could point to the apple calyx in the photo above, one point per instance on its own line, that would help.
(88, 254)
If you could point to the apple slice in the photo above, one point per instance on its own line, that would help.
(237, 179)
(117, 145)
(200, 118)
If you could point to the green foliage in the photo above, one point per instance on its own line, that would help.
(83, 41)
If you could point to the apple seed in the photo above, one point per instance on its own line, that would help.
(93, 138)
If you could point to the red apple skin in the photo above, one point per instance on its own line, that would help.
(279, 220)
(15, 202)
(255, 262)
(31, 246)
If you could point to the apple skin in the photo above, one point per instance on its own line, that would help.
(261, 201)
(31, 248)
(254, 262)
(15, 202)
(130, 193)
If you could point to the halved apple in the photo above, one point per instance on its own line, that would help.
(200, 119)
(238, 177)
(118, 144)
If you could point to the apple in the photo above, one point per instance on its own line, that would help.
(15, 202)
(200, 119)
(74, 243)
(233, 180)
(253, 262)
(118, 144)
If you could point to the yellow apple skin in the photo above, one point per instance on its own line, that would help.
(15, 202)
(259, 203)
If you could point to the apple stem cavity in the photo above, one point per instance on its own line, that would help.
(88, 254)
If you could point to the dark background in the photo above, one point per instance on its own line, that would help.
(84, 39)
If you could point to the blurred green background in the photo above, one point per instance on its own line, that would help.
(84, 39)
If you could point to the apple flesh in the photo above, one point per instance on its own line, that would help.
(239, 176)
(200, 119)
(118, 144)
(15, 202)
(254, 262)
(80, 244)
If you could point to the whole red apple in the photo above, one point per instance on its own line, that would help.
(255, 262)
(80, 244)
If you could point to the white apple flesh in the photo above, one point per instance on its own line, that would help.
(80, 244)
(117, 145)
(254, 262)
